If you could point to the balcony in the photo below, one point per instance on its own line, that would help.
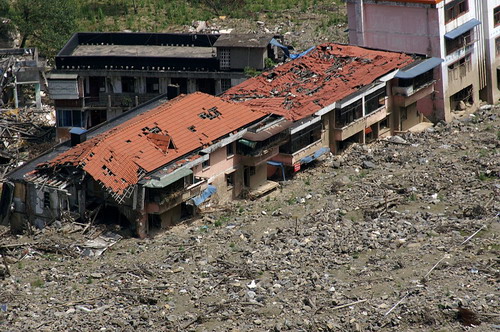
(360, 124)
(265, 155)
(108, 100)
(177, 197)
(290, 159)
(405, 96)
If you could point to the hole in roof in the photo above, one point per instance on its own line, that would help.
(192, 128)
(128, 141)
(210, 114)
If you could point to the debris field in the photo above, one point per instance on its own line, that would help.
(398, 235)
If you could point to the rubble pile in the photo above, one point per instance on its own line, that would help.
(24, 134)
(399, 235)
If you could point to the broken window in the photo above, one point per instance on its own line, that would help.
(375, 100)
(302, 139)
(459, 42)
(152, 85)
(497, 46)
(69, 118)
(455, 9)
(465, 95)
(348, 114)
(128, 84)
(460, 68)
(230, 179)
(417, 81)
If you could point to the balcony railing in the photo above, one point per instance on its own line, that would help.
(177, 197)
(118, 99)
(360, 124)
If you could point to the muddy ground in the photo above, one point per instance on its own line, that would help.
(398, 235)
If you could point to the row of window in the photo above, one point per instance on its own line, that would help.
(459, 7)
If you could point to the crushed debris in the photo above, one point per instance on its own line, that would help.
(339, 248)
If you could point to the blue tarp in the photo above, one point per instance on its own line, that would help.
(287, 51)
(421, 68)
(278, 164)
(314, 156)
(204, 195)
(462, 29)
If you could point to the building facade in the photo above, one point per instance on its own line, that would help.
(98, 76)
(461, 32)
(156, 164)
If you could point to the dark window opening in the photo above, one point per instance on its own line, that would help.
(461, 41)
(206, 163)
(348, 114)
(455, 9)
(181, 83)
(465, 95)
(128, 84)
(230, 150)
(97, 84)
(302, 139)
(497, 46)
(375, 100)
(496, 16)
(69, 118)
(225, 84)
(230, 179)
(152, 85)
(417, 81)
(46, 200)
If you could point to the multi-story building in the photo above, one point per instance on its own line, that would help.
(98, 76)
(461, 32)
(153, 165)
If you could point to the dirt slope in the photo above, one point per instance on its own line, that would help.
(335, 249)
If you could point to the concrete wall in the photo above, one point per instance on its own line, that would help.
(491, 33)
(220, 164)
(248, 57)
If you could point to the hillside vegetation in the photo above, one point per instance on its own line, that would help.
(48, 24)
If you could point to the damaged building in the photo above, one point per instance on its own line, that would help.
(336, 95)
(20, 69)
(464, 33)
(159, 162)
(146, 170)
(98, 76)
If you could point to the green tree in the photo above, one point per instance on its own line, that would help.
(45, 24)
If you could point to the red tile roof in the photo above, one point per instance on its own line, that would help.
(327, 74)
(155, 138)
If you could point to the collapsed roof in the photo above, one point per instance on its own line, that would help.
(119, 157)
(328, 73)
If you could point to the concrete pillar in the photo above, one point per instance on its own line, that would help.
(16, 100)
(38, 97)
(191, 85)
(164, 82)
(218, 87)
(142, 224)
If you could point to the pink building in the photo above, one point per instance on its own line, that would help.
(461, 32)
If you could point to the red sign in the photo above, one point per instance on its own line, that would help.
(296, 167)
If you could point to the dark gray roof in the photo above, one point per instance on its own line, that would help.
(244, 40)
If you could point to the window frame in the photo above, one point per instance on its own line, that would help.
(230, 150)
(453, 10)
(496, 16)
(69, 118)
